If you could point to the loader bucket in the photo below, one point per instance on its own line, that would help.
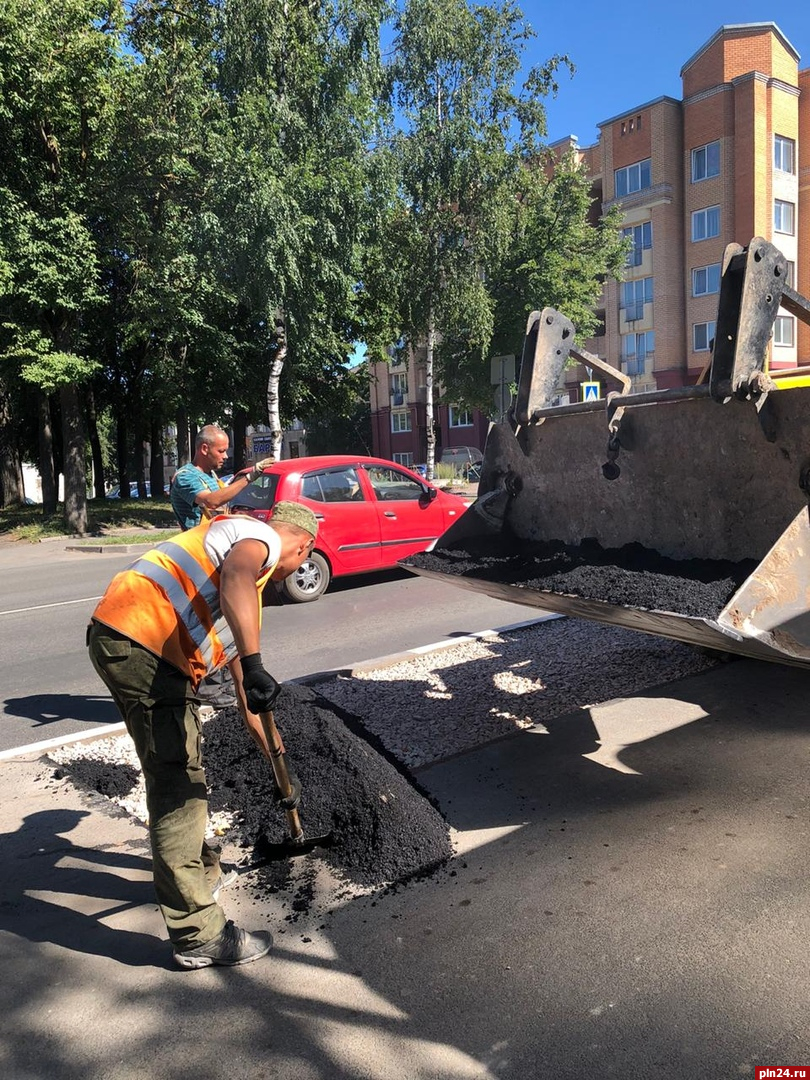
(681, 513)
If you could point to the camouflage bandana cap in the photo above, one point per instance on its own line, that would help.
(291, 513)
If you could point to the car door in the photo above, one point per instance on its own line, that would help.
(348, 523)
(409, 519)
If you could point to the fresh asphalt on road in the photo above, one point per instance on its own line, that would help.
(49, 689)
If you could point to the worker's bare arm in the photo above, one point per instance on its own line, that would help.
(238, 595)
(212, 500)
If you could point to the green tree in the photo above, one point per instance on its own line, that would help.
(460, 129)
(293, 190)
(59, 63)
(558, 255)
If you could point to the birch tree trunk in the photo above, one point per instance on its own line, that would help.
(431, 434)
(276, 367)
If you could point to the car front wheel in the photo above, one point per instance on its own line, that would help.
(309, 581)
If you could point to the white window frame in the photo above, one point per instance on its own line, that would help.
(703, 168)
(784, 217)
(460, 416)
(709, 329)
(632, 178)
(701, 220)
(784, 154)
(400, 421)
(405, 458)
(783, 334)
(790, 276)
(707, 274)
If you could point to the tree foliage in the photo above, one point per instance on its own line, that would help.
(205, 204)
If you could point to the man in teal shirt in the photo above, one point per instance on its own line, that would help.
(196, 489)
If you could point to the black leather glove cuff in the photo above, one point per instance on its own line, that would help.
(252, 662)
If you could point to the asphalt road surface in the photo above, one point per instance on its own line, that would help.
(48, 687)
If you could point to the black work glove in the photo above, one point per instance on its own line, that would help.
(261, 689)
(294, 798)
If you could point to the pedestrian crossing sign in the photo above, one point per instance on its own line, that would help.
(591, 391)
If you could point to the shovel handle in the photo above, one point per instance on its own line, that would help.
(282, 777)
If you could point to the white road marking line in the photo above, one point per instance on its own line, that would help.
(41, 607)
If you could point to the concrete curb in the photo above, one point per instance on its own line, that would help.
(111, 549)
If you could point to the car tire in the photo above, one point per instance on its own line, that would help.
(309, 581)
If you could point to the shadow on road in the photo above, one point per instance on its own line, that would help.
(79, 888)
(46, 709)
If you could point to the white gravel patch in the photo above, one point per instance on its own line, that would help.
(441, 703)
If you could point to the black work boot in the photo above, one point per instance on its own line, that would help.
(229, 948)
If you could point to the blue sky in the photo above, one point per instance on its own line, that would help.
(631, 54)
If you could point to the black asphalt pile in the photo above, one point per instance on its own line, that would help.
(384, 829)
(630, 576)
(112, 779)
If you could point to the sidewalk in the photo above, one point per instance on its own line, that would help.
(630, 898)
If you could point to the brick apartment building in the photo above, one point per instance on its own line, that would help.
(729, 161)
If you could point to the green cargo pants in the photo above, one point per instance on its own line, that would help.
(156, 703)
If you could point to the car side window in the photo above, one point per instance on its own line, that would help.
(333, 486)
(392, 485)
(311, 488)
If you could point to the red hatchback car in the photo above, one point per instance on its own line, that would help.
(371, 513)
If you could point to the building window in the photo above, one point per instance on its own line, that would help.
(460, 417)
(404, 459)
(634, 295)
(790, 274)
(783, 330)
(705, 162)
(706, 280)
(401, 421)
(705, 223)
(783, 154)
(633, 178)
(399, 388)
(783, 216)
(641, 236)
(702, 336)
(635, 350)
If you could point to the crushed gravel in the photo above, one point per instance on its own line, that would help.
(434, 705)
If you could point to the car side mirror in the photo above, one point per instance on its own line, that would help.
(429, 492)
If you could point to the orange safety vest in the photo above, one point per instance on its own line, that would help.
(168, 601)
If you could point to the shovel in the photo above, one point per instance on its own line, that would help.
(296, 842)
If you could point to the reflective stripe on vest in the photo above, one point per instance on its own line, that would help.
(169, 602)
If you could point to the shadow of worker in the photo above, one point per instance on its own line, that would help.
(54, 890)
